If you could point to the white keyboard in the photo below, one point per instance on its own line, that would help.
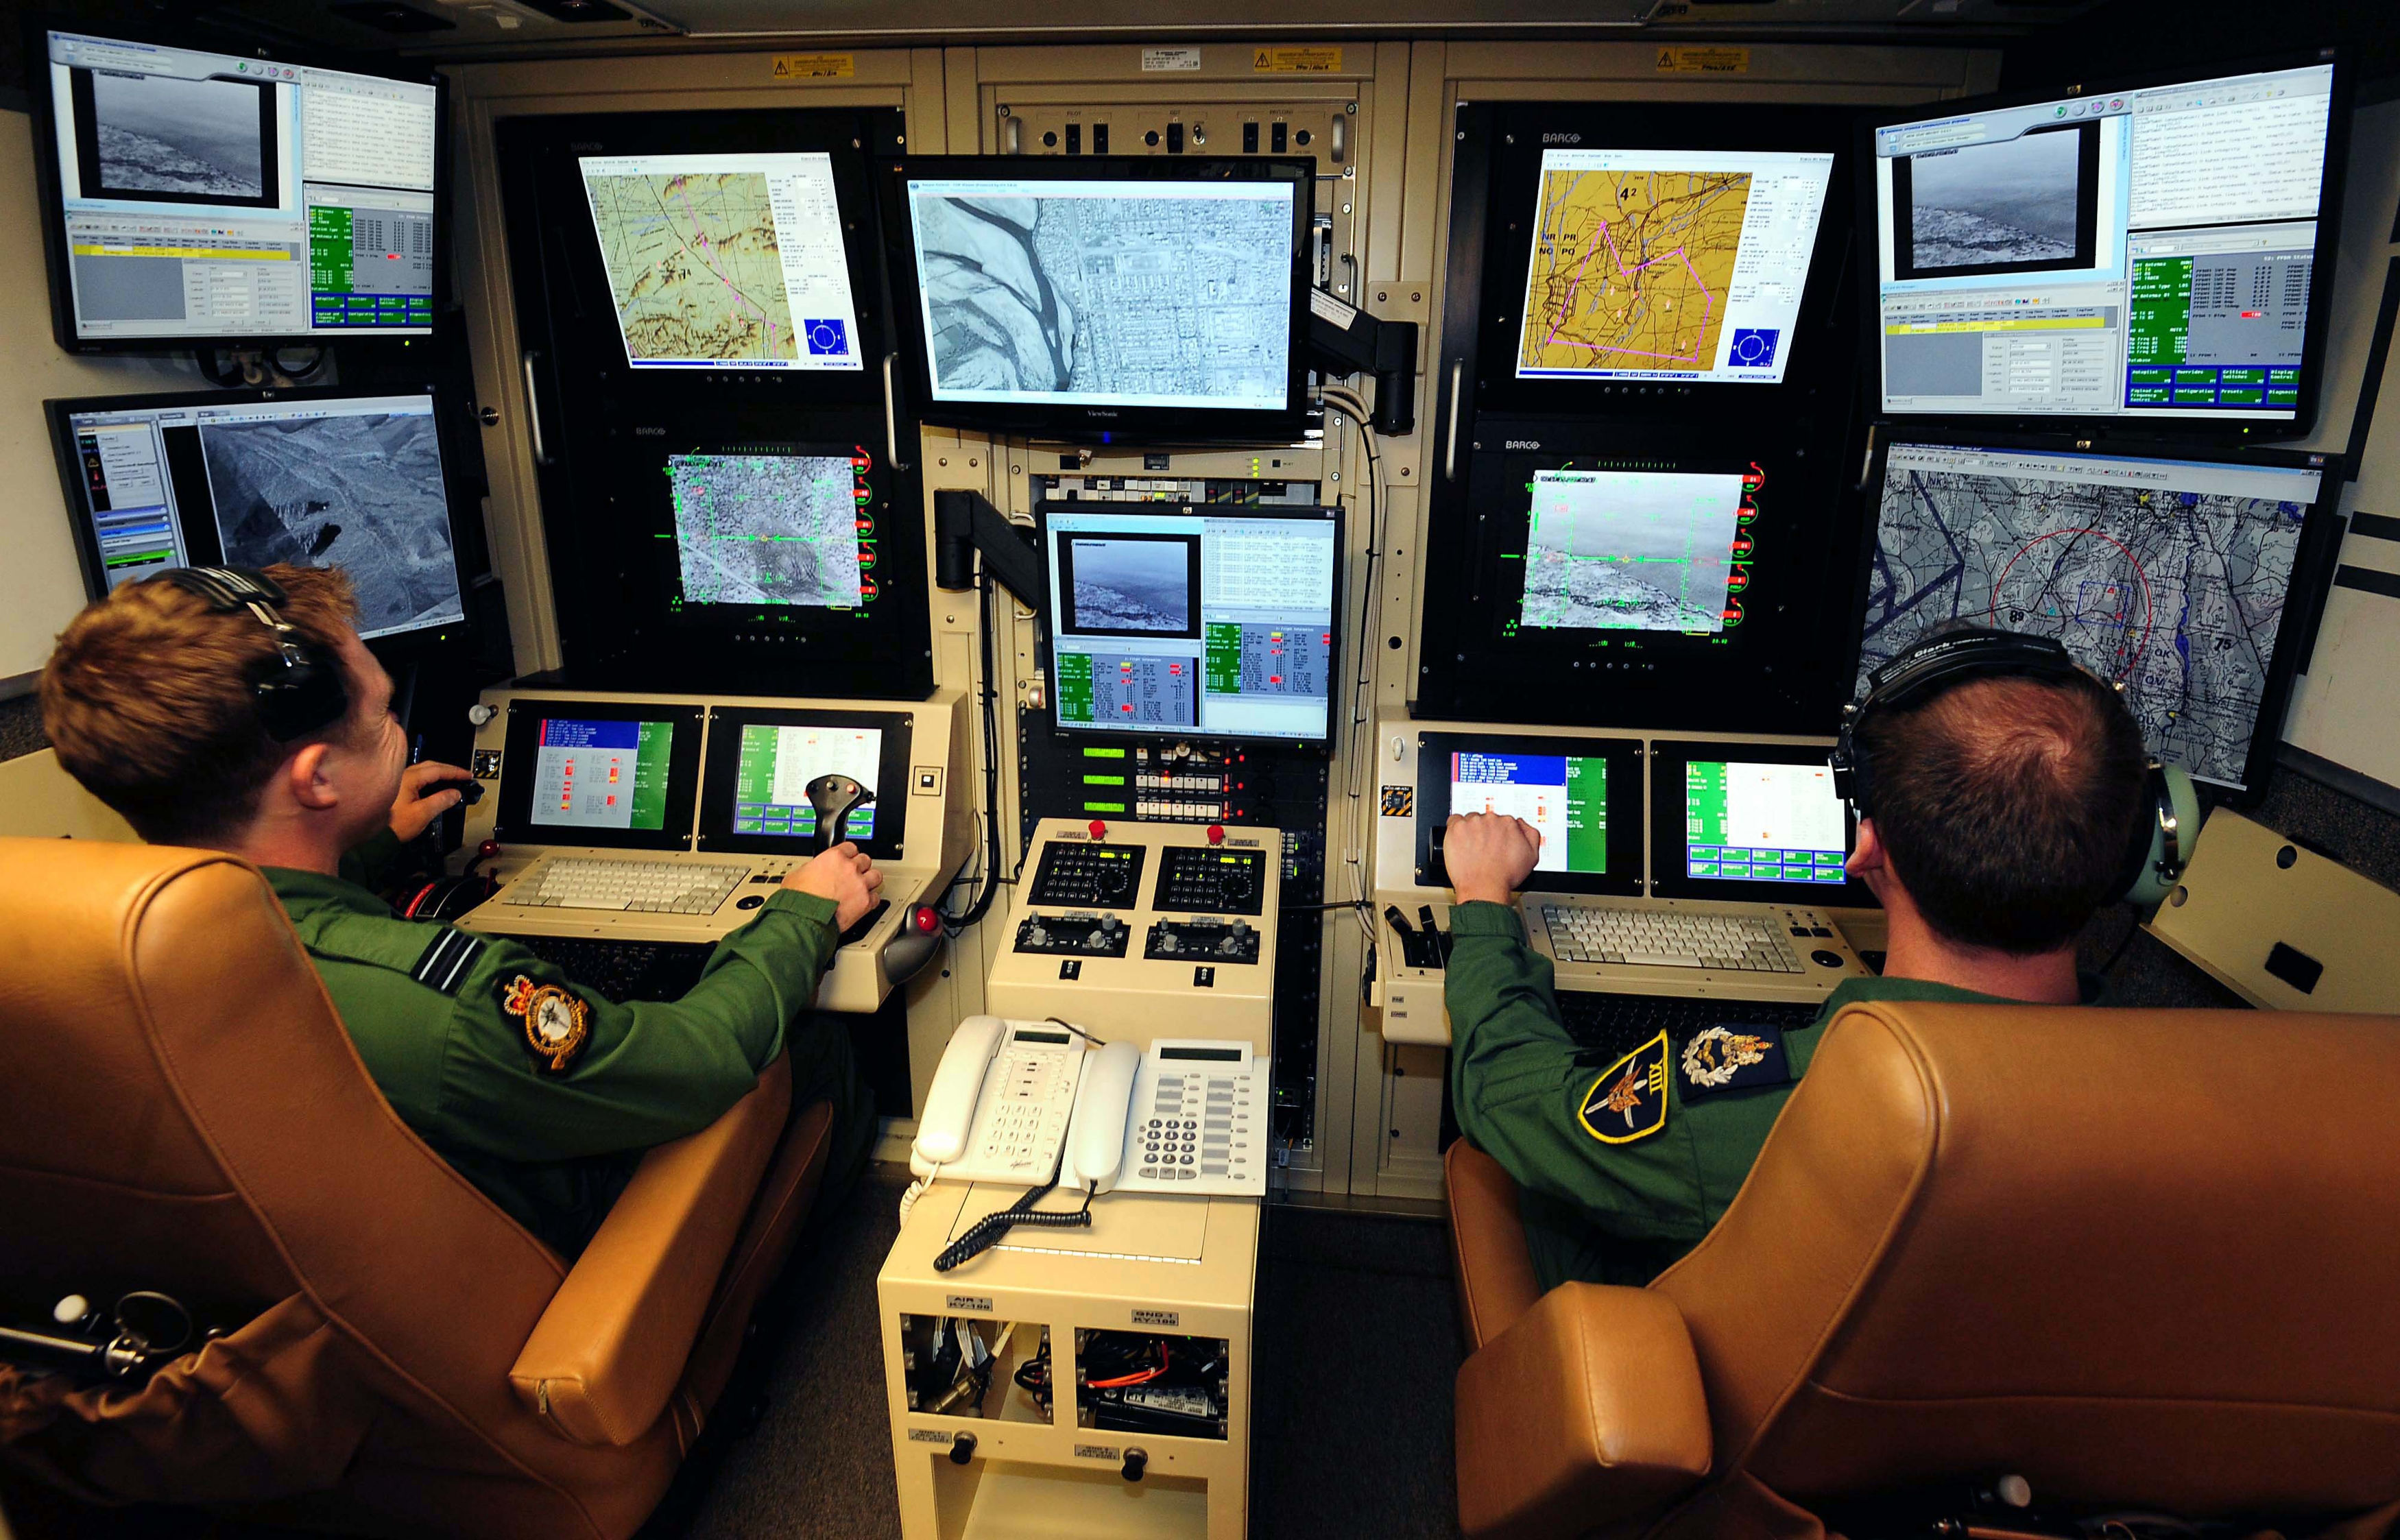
(1599, 932)
(651, 887)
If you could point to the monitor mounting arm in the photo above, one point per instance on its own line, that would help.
(965, 523)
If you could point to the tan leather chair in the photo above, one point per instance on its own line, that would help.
(180, 1110)
(2142, 1257)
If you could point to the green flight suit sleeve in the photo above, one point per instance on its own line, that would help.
(372, 863)
(1518, 1082)
(648, 1070)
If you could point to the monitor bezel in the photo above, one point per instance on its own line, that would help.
(513, 822)
(51, 203)
(62, 410)
(2312, 563)
(1627, 804)
(1061, 421)
(2129, 428)
(722, 767)
(1671, 842)
(1326, 512)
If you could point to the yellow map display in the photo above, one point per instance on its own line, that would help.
(1629, 270)
(693, 265)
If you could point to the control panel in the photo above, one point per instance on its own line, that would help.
(1142, 930)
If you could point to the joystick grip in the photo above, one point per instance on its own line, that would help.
(833, 796)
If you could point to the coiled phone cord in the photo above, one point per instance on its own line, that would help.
(986, 1232)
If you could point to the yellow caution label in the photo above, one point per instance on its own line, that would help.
(814, 67)
(1676, 60)
(1296, 61)
(206, 252)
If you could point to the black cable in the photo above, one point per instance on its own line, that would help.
(1060, 1021)
(986, 1232)
(982, 905)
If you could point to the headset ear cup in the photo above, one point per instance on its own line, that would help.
(2171, 828)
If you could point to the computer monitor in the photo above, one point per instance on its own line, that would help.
(1747, 822)
(615, 774)
(192, 198)
(725, 261)
(1210, 620)
(783, 528)
(252, 478)
(1583, 795)
(1098, 298)
(2186, 579)
(755, 786)
(2155, 251)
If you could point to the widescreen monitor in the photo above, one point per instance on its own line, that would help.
(1215, 621)
(312, 478)
(2157, 252)
(193, 197)
(1124, 299)
(2185, 579)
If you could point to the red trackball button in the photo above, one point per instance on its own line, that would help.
(1098, 829)
(927, 921)
(1216, 834)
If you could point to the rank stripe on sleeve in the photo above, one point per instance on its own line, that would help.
(447, 961)
(1629, 1100)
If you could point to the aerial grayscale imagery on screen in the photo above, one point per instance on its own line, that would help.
(2177, 593)
(360, 493)
(766, 529)
(1133, 296)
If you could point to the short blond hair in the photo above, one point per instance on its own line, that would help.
(150, 700)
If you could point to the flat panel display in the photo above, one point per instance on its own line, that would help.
(754, 787)
(768, 528)
(256, 478)
(2182, 579)
(724, 261)
(197, 196)
(1582, 794)
(1106, 298)
(617, 774)
(1750, 823)
(2156, 252)
(1214, 620)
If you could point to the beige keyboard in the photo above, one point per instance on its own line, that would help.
(1600, 933)
(650, 886)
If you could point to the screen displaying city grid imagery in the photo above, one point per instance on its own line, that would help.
(1756, 822)
(771, 793)
(1613, 550)
(597, 774)
(1106, 293)
(2170, 577)
(769, 529)
(1564, 797)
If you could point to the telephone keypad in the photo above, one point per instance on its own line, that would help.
(1217, 1140)
(1024, 1115)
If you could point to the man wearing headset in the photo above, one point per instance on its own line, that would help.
(2000, 790)
(239, 711)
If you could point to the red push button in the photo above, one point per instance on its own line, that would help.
(1216, 834)
(927, 919)
(1097, 829)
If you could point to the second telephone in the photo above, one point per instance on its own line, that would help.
(1021, 1101)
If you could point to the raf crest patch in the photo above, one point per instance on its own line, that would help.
(1733, 1057)
(557, 1024)
(1629, 1100)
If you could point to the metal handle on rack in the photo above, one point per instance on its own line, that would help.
(533, 408)
(891, 420)
(1450, 439)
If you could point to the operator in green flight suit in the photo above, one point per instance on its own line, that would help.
(538, 1091)
(2002, 812)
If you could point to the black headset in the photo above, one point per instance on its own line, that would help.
(302, 691)
(2161, 845)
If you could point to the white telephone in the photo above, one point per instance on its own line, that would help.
(1015, 1100)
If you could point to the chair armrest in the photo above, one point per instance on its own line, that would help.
(611, 1345)
(1587, 1411)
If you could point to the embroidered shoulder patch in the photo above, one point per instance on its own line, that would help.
(447, 961)
(557, 1024)
(1629, 1100)
(1733, 1057)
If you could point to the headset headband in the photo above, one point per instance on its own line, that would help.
(304, 694)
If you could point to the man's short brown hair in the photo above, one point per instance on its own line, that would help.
(148, 699)
(2008, 806)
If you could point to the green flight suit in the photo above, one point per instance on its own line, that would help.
(428, 1008)
(1603, 1212)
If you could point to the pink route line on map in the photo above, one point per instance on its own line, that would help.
(684, 192)
(1711, 300)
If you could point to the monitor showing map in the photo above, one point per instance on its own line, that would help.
(725, 261)
(769, 529)
(1219, 621)
(1669, 265)
(2155, 249)
(2184, 580)
(1107, 298)
(256, 478)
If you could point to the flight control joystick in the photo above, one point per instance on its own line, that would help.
(834, 797)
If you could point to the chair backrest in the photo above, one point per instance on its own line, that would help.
(2134, 1255)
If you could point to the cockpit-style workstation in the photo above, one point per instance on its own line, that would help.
(1138, 493)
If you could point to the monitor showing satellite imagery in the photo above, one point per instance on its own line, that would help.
(766, 529)
(1669, 264)
(1153, 293)
(2170, 576)
(725, 261)
(352, 481)
(1630, 550)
